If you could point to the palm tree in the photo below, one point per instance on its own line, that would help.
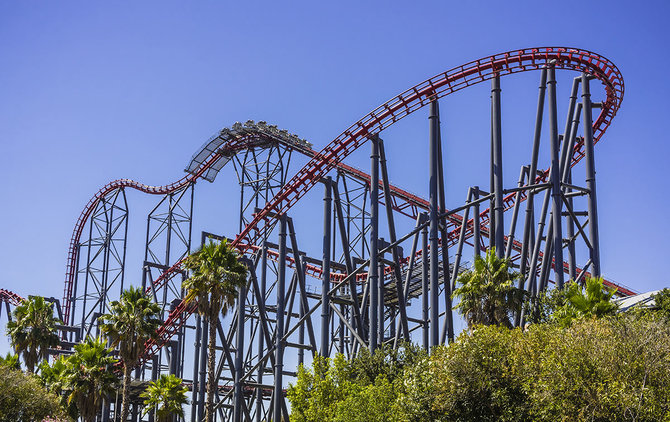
(133, 320)
(33, 330)
(216, 277)
(10, 361)
(54, 378)
(594, 300)
(166, 396)
(89, 377)
(487, 293)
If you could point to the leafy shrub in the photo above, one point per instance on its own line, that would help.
(615, 368)
(22, 398)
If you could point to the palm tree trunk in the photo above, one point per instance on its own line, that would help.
(31, 359)
(211, 379)
(127, 369)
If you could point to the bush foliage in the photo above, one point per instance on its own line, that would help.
(610, 369)
(22, 398)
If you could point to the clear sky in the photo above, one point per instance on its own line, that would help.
(95, 91)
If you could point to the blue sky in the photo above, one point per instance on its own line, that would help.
(91, 92)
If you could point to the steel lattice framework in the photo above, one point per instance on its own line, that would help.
(361, 291)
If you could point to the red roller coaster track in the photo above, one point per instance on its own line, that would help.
(357, 134)
(10, 297)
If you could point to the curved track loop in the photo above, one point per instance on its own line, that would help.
(371, 124)
(421, 95)
(401, 106)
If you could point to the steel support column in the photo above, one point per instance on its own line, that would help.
(434, 244)
(239, 356)
(590, 175)
(395, 251)
(555, 180)
(325, 276)
(279, 329)
(448, 327)
(373, 276)
(424, 288)
(528, 228)
(476, 228)
(260, 295)
(496, 168)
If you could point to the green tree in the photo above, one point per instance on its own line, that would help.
(166, 397)
(593, 300)
(544, 308)
(11, 361)
(363, 389)
(89, 377)
(608, 369)
(476, 378)
(662, 301)
(22, 398)
(216, 277)
(613, 368)
(133, 319)
(54, 378)
(487, 294)
(33, 330)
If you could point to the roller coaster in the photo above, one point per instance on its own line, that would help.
(359, 290)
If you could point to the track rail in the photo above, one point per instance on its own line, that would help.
(401, 106)
(357, 134)
(421, 95)
(236, 140)
(10, 297)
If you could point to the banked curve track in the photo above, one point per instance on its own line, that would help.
(421, 95)
(357, 134)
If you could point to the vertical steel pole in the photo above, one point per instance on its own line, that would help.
(279, 330)
(125, 240)
(239, 356)
(408, 277)
(373, 278)
(566, 170)
(325, 275)
(555, 180)
(515, 213)
(356, 319)
(203, 368)
(260, 294)
(591, 175)
(492, 214)
(566, 156)
(434, 262)
(547, 257)
(301, 329)
(380, 310)
(496, 167)
(424, 285)
(392, 234)
(476, 228)
(461, 239)
(448, 327)
(529, 224)
(196, 355)
(570, 234)
(566, 177)
(532, 279)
